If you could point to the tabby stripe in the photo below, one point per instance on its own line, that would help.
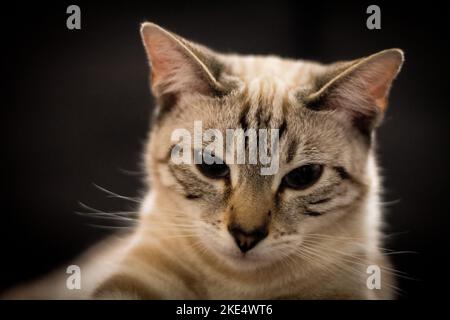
(193, 190)
(282, 129)
(292, 148)
(166, 104)
(342, 173)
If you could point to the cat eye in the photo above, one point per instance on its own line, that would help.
(214, 170)
(303, 177)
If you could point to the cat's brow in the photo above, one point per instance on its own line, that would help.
(343, 173)
(291, 150)
(243, 117)
(282, 128)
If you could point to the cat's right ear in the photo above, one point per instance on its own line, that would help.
(179, 66)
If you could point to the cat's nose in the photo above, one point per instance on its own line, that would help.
(247, 240)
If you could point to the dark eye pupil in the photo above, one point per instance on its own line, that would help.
(214, 170)
(303, 177)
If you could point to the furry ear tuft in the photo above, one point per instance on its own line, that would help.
(360, 89)
(178, 65)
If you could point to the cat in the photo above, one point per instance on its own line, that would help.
(224, 231)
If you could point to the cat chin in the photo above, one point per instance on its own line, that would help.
(248, 261)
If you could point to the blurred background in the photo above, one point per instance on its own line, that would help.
(76, 108)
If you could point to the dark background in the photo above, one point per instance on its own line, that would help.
(76, 108)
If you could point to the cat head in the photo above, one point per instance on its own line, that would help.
(325, 116)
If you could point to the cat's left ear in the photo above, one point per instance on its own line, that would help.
(359, 90)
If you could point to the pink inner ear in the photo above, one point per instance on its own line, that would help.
(375, 78)
(162, 56)
(173, 67)
(365, 90)
(379, 92)
(380, 83)
(156, 67)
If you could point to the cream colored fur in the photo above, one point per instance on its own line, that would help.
(181, 248)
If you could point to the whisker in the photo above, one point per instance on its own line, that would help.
(115, 195)
(389, 203)
(358, 260)
(131, 172)
(109, 227)
(104, 216)
(123, 214)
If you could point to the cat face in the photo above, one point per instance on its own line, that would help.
(325, 116)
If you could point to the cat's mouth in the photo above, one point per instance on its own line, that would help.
(250, 259)
(230, 253)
